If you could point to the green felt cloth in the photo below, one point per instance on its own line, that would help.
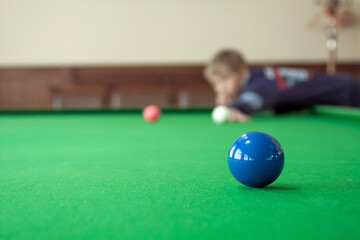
(114, 176)
(335, 111)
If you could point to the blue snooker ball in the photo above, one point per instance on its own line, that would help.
(256, 159)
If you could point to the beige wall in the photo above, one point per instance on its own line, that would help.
(80, 32)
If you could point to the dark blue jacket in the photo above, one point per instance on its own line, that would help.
(286, 89)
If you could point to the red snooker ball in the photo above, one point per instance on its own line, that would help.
(151, 113)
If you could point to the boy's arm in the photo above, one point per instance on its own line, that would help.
(247, 103)
(222, 99)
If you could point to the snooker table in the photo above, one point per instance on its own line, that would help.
(111, 175)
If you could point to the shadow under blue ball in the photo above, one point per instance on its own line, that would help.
(256, 159)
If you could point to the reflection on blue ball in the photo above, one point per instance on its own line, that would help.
(256, 159)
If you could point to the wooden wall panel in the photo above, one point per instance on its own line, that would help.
(29, 88)
(35, 87)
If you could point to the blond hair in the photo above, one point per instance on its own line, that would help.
(227, 60)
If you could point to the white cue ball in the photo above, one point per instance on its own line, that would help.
(220, 114)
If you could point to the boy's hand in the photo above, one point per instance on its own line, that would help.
(223, 99)
(238, 116)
